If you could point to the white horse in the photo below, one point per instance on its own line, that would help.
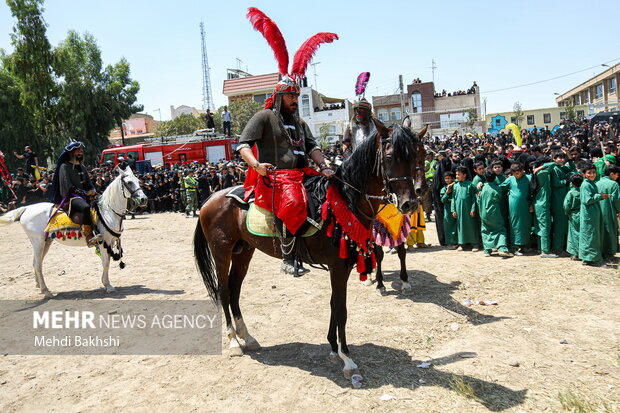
(112, 206)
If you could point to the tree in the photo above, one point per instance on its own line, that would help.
(323, 132)
(242, 111)
(83, 100)
(31, 66)
(122, 92)
(15, 121)
(518, 112)
(571, 114)
(181, 125)
(472, 118)
(63, 92)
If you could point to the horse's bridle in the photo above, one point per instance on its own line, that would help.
(389, 197)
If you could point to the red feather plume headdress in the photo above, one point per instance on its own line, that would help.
(272, 34)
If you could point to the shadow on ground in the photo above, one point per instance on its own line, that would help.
(381, 366)
(428, 289)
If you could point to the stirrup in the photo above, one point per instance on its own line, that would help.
(94, 241)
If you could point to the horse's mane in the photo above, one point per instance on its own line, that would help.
(357, 169)
(110, 194)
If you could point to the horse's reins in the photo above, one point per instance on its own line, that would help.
(114, 233)
(389, 197)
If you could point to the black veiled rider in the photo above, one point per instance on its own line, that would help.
(73, 186)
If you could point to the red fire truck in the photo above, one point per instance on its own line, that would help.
(175, 150)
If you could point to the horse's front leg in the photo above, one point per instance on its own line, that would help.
(40, 247)
(339, 277)
(379, 256)
(105, 263)
(405, 287)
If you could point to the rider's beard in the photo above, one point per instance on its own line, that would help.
(361, 119)
(79, 158)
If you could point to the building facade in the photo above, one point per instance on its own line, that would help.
(442, 112)
(242, 85)
(326, 117)
(138, 127)
(534, 118)
(599, 93)
(185, 110)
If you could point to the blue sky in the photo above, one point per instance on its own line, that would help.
(497, 44)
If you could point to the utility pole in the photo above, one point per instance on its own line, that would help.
(433, 67)
(402, 96)
(314, 67)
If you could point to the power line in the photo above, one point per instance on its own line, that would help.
(548, 80)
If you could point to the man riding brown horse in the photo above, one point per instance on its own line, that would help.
(282, 143)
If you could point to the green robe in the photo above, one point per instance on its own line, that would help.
(590, 223)
(572, 206)
(449, 222)
(463, 203)
(477, 179)
(493, 224)
(519, 216)
(542, 210)
(609, 208)
(500, 178)
(559, 188)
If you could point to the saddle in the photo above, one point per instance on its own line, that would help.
(260, 221)
(62, 227)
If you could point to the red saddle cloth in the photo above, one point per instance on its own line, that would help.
(282, 192)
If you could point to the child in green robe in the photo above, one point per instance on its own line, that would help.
(449, 222)
(479, 178)
(493, 228)
(572, 206)
(464, 211)
(610, 208)
(542, 206)
(520, 209)
(590, 219)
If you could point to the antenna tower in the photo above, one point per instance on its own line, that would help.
(207, 96)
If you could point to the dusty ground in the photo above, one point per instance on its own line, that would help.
(540, 303)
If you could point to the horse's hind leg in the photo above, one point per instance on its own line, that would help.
(238, 270)
(40, 246)
(405, 287)
(222, 257)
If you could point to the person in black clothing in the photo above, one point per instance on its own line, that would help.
(209, 119)
(203, 188)
(228, 180)
(122, 163)
(131, 162)
(32, 160)
(71, 183)
(214, 181)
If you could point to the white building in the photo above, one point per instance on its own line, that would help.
(320, 111)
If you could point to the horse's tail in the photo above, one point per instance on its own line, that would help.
(12, 216)
(204, 262)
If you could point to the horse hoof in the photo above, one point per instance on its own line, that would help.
(382, 291)
(37, 286)
(110, 289)
(47, 293)
(235, 351)
(357, 381)
(350, 373)
(406, 289)
(252, 345)
(334, 358)
(367, 282)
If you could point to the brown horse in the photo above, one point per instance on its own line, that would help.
(390, 164)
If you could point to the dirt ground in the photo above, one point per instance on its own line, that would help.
(559, 321)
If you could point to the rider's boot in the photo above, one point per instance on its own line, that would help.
(91, 240)
(289, 261)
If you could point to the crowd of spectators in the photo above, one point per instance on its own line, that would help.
(331, 106)
(470, 91)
